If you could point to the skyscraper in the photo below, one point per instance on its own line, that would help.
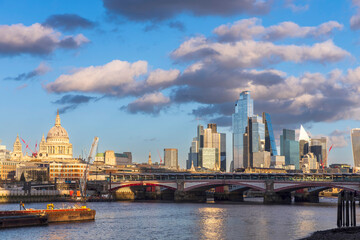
(171, 158)
(207, 143)
(254, 144)
(244, 108)
(355, 142)
(321, 150)
(270, 144)
(289, 148)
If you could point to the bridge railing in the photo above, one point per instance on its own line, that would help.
(316, 177)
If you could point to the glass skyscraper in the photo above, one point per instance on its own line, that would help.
(355, 142)
(290, 148)
(270, 144)
(244, 108)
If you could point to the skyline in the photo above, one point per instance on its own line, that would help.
(177, 65)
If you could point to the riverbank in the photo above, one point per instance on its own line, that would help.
(349, 233)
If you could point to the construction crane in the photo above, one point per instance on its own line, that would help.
(159, 157)
(35, 153)
(90, 159)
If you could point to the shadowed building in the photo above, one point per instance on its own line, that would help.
(289, 148)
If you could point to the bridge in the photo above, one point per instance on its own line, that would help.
(276, 188)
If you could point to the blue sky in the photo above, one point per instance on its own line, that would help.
(141, 74)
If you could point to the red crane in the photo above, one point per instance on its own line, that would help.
(34, 154)
(159, 157)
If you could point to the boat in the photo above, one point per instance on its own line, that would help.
(76, 213)
(23, 220)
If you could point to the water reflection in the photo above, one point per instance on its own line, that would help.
(212, 223)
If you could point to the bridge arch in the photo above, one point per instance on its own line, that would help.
(192, 186)
(289, 187)
(168, 186)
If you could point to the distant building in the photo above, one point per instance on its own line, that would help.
(8, 169)
(289, 148)
(4, 153)
(277, 161)
(257, 138)
(66, 171)
(318, 146)
(112, 158)
(171, 158)
(32, 171)
(270, 143)
(304, 142)
(208, 141)
(244, 108)
(309, 162)
(355, 142)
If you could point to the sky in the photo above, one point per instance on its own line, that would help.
(142, 74)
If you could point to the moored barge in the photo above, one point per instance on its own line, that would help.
(55, 215)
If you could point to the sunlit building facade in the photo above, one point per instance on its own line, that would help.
(244, 108)
(355, 142)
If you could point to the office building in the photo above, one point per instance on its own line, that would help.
(355, 143)
(244, 109)
(171, 158)
(213, 143)
(318, 146)
(270, 144)
(290, 148)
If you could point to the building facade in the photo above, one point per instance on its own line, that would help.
(208, 138)
(171, 158)
(270, 143)
(355, 143)
(290, 148)
(244, 108)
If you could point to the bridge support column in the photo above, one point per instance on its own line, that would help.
(306, 197)
(124, 194)
(274, 197)
(271, 196)
(190, 196)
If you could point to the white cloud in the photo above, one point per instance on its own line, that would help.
(151, 103)
(248, 53)
(162, 77)
(35, 39)
(247, 29)
(113, 78)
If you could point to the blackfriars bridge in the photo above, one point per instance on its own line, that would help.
(275, 187)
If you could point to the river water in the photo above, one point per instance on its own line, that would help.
(158, 220)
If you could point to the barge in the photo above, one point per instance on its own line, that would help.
(55, 215)
(23, 221)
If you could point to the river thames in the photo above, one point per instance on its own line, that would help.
(158, 220)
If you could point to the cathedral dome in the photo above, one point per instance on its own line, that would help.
(57, 133)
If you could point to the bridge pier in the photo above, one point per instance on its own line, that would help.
(306, 197)
(190, 196)
(277, 197)
(124, 194)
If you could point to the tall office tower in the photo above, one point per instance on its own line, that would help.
(289, 148)
(244, 108)
(171, 158)
(207, 139)
(270, 144)
(212, 139)
(355, 142)
(304, 143)
(223, 152)
(254, 144)
(319, 148)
